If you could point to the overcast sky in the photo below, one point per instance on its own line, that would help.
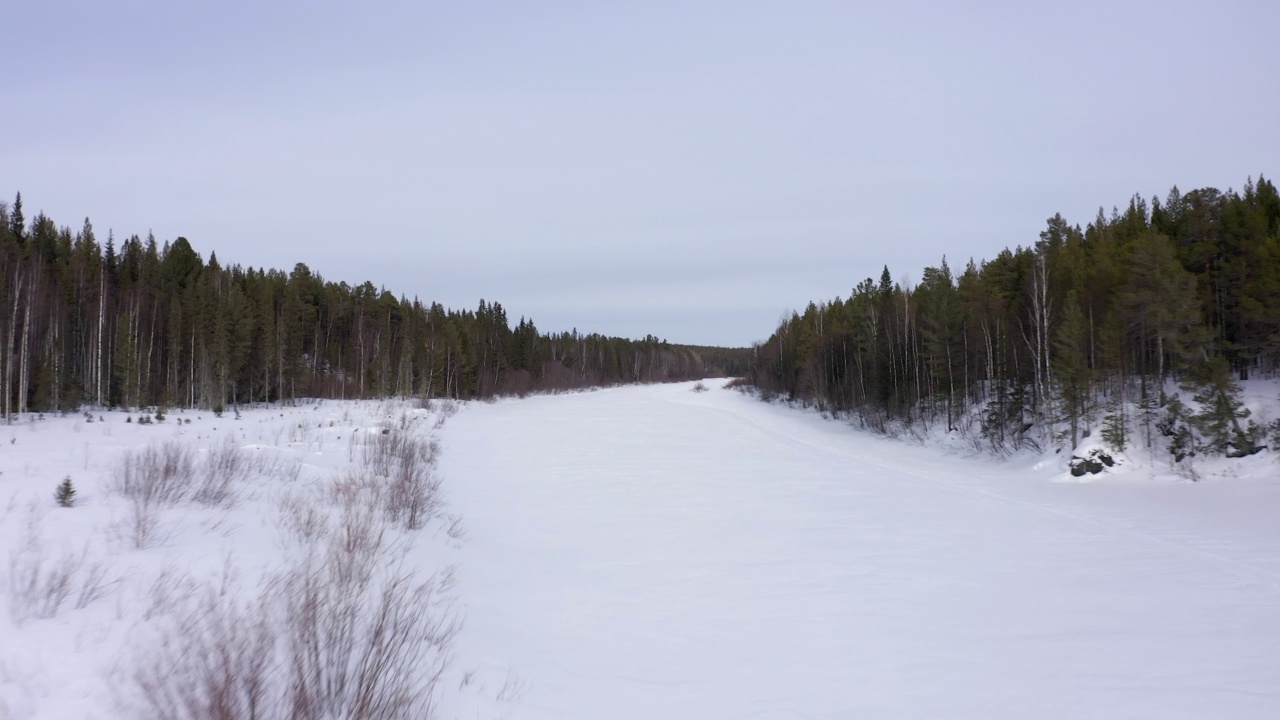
(687, 169)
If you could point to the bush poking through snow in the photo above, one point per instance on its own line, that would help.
(39, 585)
(151, 479)
(408, 465)
(302, 519)
(365, 647)
(162, 474)
(212, 664)
(165, 475)
(699, 387)
(339, 635)
(225, 466)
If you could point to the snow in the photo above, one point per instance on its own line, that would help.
(80, 658)
(655, 552)
(646, 552)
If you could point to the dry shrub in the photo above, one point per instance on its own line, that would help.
(40, 585)
(344, 632)
(169, 592)
(447, 409)
(361, 530)
(215, 662)
(225, 467)
(158, 474)
(330, 638)
(302, 518)
(362, 648)
(407, 465)
(150, 479)
(167, 474)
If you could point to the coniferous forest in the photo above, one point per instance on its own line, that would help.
(87, 322)
(1109, 328)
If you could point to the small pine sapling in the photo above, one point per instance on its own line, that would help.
(1175, 426)
(1115, 432)
(66, 493)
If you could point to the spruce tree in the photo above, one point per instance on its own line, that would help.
(1174, 426)
(1221, 410)
(1115, 431)
(1071, 368)
(66, 493)
(17, 223)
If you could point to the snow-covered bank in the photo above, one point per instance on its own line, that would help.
(1149, 436)
(654, 552)
(205, 555)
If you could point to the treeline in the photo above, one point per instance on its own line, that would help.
(1101, 325)
(143, 324)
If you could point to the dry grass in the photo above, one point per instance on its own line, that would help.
(161, 474)
(169, 592)
(344, 631)
(301, 518)
(39, 584)
(150, 479)
(214, 662)
(225, 467)
(168, 474)
(336, 636)
(408, 465)
(360, 647)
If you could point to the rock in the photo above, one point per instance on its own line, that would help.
(1094, 462)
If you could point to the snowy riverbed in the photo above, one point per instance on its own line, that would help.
(653, 552)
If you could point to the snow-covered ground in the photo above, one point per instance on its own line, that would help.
(653, 552)
(112, 608)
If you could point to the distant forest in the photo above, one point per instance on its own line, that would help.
(144, 324)
(1101, 325)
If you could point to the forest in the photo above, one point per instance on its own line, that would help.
(144, 324)
(1139, 325)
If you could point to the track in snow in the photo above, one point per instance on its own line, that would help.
(650, 552)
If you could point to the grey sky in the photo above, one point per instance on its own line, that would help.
(683, 169)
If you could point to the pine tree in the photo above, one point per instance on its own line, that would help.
(1221, 410)
(1174, 425)
(66, 493)
(1160, 304)
(17, 223)
(1115, 431)
(1071, 367)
